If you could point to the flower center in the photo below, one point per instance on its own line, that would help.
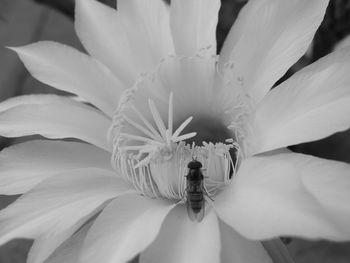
(183, 109)
(153, 155)
(209, 129)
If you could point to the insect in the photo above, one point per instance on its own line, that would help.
(195, 191)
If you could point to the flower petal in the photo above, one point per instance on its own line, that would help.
(236, 248)
(47, 243)
(130, 40)
(331, 189)
(69, 251)
(57, 207)
(67, 69)
(269, 198)
(29, 99)
(24, 165)
(56, 118)
(312, 104)
(193, 25)
(124, 228)
(181, 240)
(268, 37)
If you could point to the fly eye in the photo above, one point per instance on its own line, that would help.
(194, 164)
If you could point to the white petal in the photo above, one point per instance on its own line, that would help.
(181, 240)
(236, 248)
(268, 37)
(69, 251)
(130, 40)
(269, 198)
(124, 229)
(48, 242)
(56, 118)
(193, 25)
(312, 104)
(29, 99)
(330, 187)
(56, 207)
(67, 69)
(24, 165)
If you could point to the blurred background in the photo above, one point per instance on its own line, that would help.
(26, 21)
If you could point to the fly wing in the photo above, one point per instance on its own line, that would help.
(196, 211)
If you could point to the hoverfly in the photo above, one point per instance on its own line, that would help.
(195, 191)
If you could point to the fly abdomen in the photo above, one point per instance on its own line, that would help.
(196, 202)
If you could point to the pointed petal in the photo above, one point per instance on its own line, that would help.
(181, 240)
(24, 165)
(268, 37)
(236, 248)
(270, 198)
(48, 242)
(57, 207)
(67, 69)
(69, 251)
(124, 229)
(331, 190)
(30, 99)
(312, 104)
(56, 118)
(129, 41)
(193, 25)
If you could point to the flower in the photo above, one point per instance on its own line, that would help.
(158, 96)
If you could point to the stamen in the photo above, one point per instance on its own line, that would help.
(239, 107)
(135, 148)
(144, 162)
(139, 138)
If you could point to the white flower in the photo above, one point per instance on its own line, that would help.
(161, 97)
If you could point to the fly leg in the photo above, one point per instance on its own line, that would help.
(207, 193)
(184, 196)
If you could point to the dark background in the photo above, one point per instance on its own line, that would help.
(26, 21)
